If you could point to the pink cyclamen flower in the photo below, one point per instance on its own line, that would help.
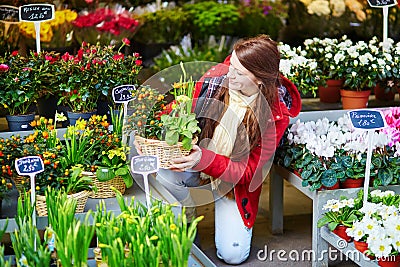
(4, 68)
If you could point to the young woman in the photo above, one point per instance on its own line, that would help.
(243, 106)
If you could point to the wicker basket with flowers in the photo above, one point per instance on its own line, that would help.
(165, 130)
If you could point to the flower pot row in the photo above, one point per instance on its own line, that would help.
(372, 224)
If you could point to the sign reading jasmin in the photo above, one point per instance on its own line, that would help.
(29, 165)
(123, 93)
(9, 14)
(367, 119)
(382, 3)
(144, 164)
(36, 12)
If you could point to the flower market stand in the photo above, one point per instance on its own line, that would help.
(322, 237)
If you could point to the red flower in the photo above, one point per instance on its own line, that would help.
(118, 56)
(138, 62)
(14, 53)
(126, 41)
(4, 68)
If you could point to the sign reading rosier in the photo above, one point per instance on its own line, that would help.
(36, 12)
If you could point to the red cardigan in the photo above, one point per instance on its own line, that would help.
(247, 173)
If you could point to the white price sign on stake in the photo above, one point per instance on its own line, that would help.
(36, 13)
(123, 94)
(384, 4)
(145, 165)
(368, 120)
(29, 166)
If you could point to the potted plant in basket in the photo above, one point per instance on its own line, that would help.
(110, 166)
(166, 131)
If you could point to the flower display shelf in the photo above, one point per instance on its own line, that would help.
(321, 237)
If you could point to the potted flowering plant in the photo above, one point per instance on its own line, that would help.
(302, 71)
(340, 215)
(16, 96)
(92, 73)
(377, 227)
(328, 54)
(324, 152)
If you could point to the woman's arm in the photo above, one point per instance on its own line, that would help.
(241, 172)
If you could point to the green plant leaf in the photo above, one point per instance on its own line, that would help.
(104, 174)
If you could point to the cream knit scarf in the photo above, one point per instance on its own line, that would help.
(225, 133)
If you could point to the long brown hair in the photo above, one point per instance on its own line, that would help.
(260, 56)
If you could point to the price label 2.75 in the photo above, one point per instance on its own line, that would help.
(29, 165)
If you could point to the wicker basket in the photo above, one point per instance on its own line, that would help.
(164, 152)
(81, 198)
(104, 188)
(19, 182)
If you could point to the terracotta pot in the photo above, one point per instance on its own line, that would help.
(362, 246)
(380, 94)
(391, 261)
(354, 99)
(352, 183)
(340, 231)
(330, 93)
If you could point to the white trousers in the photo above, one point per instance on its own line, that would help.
(232, 237)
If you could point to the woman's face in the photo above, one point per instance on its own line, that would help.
(240, 78)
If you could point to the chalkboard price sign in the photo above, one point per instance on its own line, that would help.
(144, 164)
(367, 119)
(123, 93)
(36, 12)
(29, 165)
(9, 14)
(382, 3)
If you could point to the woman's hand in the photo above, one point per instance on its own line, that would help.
(187, 162)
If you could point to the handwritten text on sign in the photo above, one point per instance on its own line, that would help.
(36, 12)
(382, 3)
(144, 164)
(123, 93)
(29, 165)
(9, 14)
(367, 119)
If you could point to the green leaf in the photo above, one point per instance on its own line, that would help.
(328, 178)
(172, 137)
(385, 176)
(104, 174)
(322, 221)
